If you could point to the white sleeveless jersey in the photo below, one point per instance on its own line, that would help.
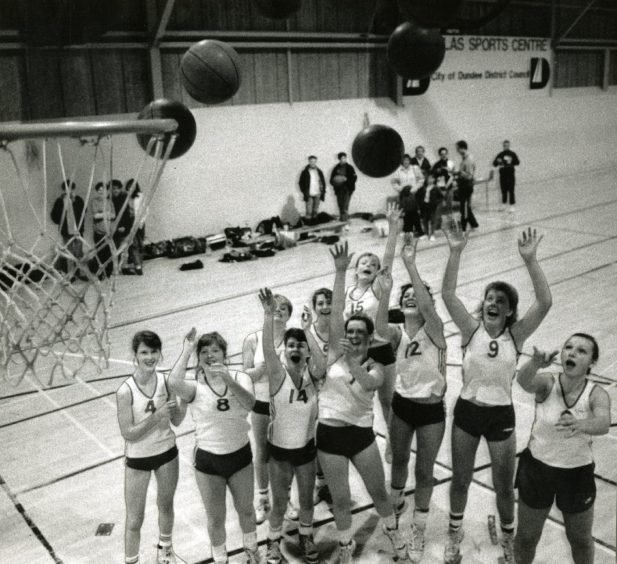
(489, 366)
(262, 386)
(554, 447)
(221, 425)
(366, 304)
(342, 398)
(293, 412)
(420, 367)
(323, 344)
(158, 439)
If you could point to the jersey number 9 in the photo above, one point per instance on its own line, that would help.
(493, 349)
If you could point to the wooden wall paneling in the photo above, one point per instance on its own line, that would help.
(348, 74)
(187, 14)
(306, 18)
(214, 15)
(238, 15)
(11, 87)
(9, 14)
(329, 75)
(308, 73)
(261, 22)
(364, 74)
(129, 16)
(246, 93)
(172, 83)
(43, 84)
(266, 79)
(380, 71)
(612, 75)
(108, 79)
(136, 78)
(282, 77)
(77, 85)
(326, 16)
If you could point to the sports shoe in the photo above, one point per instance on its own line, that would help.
(344, 553)
(291, 514)
(262, 510)
(253, 556)
(166, 555)
(322, 493)
(273, 552)
(308, 548)
(398, 543)
(452, 551)
(422, 238)
(415, 546)
(507, 543)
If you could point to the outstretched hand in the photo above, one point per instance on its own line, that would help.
(306, 319)
(456, 237)
(528, 244)
(393, 214)
(384, 279)
(190, 340)
(341, 256)
(543, 359)
(408, 252)
(267, 300)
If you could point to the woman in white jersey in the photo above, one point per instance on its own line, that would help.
(320, 329)
(363, 298)
(220, 401)
(145, 411)
(291, 433)
(557, 465)
(418, 401)
(254, 365)
(491, 346)
(345, 428)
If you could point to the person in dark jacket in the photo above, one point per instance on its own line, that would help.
(124, 219)
(506, 161)
(313, 187)
(68, 213)
(343, 179)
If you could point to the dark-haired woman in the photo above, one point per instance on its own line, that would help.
(146, 411)
(418, 402)
(291, 433)
(491, 347)
(345, 429)
(557, 465)
(220, 401)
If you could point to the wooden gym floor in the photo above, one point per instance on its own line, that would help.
(61, 469)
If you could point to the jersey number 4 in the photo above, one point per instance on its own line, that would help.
(150, 407)
(300, 396)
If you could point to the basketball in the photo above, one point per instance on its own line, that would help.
(378, 150)
(339, 180)
(210, 71)
(430, 13)
(415, 52)
(170, 109)
(278, 9)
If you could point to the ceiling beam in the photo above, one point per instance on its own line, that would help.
(577, 19)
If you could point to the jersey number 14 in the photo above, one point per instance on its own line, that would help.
(300, 396)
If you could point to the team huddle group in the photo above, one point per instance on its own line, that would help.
(310, 391)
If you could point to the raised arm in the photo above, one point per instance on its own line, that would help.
(184, 389)
(342, 258)
(598, 424)
(432, 322)
(317, 361)
(274, 368)
(248, 358)
(466, 323)
(393, 214)
(524, 327)
(528, 377)
(382, 327)
(369, 377)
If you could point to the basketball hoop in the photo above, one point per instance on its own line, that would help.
(56, 284)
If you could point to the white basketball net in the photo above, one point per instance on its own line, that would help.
(56, 288)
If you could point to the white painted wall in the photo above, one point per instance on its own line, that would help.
(246, 160)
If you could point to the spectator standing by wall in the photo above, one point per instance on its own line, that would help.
(102, 215)
(313, 187)
(506, 161)
(443, 171)
(407, 180)
(420, 160)
(343, 179)
(466, 177)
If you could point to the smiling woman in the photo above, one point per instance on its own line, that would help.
(491, 347)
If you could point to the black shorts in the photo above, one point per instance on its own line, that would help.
(261, 407)
(382, 353)
(345, 441)
(150, 463)
(573, 489)
(295, 456)
(495, 422)
(224, 465)
(417, 414)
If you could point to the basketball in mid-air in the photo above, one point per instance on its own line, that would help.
(210, 71)
(378, 150)
(415, 52)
